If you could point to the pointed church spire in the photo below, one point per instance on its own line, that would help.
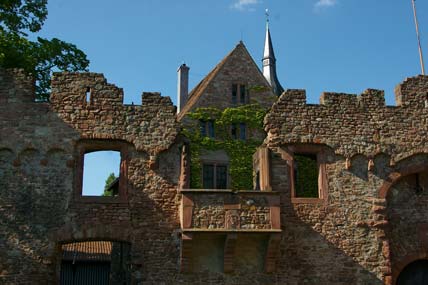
(269, 62)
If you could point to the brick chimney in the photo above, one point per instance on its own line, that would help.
(182, 86)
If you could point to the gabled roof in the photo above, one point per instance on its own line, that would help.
(197, 92)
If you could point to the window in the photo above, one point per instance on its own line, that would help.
(101, 171)
(242, 131)
(308, 174)
(242, 97)
(234, 131)
(234, 93)
(239, 91)
(88, 95)
(305, 172)
(238, 131)
(214, 176)
(207, 128)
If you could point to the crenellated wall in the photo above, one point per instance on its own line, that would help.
(41, 148)
(367, 153)
(367, 224)
(352, 124)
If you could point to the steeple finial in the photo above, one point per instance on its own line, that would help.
(269, 61)
(267, 17)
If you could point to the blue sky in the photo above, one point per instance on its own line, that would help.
(320, 45)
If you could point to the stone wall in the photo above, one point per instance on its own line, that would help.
(369, 224)
(40, 202)
(366, 147)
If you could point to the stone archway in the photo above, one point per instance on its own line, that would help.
(405, 193)
(414, 273)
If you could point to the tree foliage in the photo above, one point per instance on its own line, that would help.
(107, 189)
(40, 57)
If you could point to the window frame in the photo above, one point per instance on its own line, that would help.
(215, 164)
(88, 146)
(319, 152)
(236, 95)
(238, 128)
(205, 130)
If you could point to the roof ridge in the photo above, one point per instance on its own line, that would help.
(199, 89)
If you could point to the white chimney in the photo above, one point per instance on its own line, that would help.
(182, 86)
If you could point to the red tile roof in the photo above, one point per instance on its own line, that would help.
(87, 251)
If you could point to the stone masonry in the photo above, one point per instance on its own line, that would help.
(371, 221)
(368, 223)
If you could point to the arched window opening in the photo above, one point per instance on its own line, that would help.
(416, 273)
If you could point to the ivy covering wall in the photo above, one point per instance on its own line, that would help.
(240, 152)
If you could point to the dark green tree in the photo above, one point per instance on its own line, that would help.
(40, 57)
(107, 188)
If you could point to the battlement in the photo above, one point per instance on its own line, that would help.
(413, 92)
(93, 108)
(354, 124)
(92, 89)
(16, 86)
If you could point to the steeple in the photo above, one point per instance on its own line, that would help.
(269, 62)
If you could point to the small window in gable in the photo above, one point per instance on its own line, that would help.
(239, 94)
(234, 93)
(214, 176)
(242, 94)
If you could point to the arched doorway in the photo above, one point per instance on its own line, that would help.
(95, 263)
(415, 273)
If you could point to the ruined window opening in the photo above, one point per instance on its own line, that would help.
(214, 176)
(98, 159)
(306, 175)
(207, 128)
(101, 173)
(88, 95)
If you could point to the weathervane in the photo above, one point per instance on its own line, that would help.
(267, 15)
